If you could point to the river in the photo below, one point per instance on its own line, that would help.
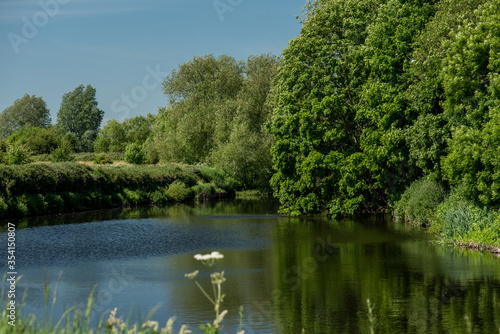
(291, 275)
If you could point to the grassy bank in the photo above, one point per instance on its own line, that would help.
(37, 189)
(453, 218)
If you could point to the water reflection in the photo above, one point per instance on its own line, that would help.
(290, 274)
(415, 287)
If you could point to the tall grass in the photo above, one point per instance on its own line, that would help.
(462, 223)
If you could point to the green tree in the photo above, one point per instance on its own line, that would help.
(69, 142)
(246, 157)
(316, 152)
(471, 80)
(26, 111)
(79, 114)
(138, 129)
(383, 112)
(111, 138)
(218, 108)
(87, 141)
(341, 110)
(201, 95)
(115, 136)
(36, 140)
(242, 144)
(427, 138)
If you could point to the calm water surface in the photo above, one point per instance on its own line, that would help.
(289, 274)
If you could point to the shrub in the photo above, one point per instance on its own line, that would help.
(132, 197)
(70, 186)
(134, 154)
(220, 178)
(3, 207)
(152, 155)
(204, 190)
(61, 154)
(420, 200)
(70, 142)
(38, 140)
(21, 205)
(4, 146)
(36, 204)
(157, 197)
(17, 155)
(102, 159)
(178, 191)
(55, 203)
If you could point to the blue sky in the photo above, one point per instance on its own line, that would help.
(125, 48)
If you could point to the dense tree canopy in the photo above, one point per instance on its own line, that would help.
(26, 111)
(340, 111)
(374, 94)
(79, 114)
(471, 80)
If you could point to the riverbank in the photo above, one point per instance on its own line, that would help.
(51, 188)
(454, 219)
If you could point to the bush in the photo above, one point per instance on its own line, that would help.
(70, 142)
(55, 203)
(102, 159)
(37, 140)
(17, 155)
(61, 154)
(220, 178)
(204, 190)
(4, 146)
(420, 200)
(134, 154)
(178, 191)
(3, 207)
(158, 197)
(132, 197)
(36, 204)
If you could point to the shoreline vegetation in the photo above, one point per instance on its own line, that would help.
(454, 220)
(51, 188)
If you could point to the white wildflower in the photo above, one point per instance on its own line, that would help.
(216, 255)
(207, 257)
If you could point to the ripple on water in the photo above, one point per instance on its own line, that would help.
(122, 239)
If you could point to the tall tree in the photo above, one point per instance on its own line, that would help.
(26, 111)
(201, 94)
(340, 111)
(428, 137)
(79, 114)
(243, 146)
(471, 81)
(316, 152)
